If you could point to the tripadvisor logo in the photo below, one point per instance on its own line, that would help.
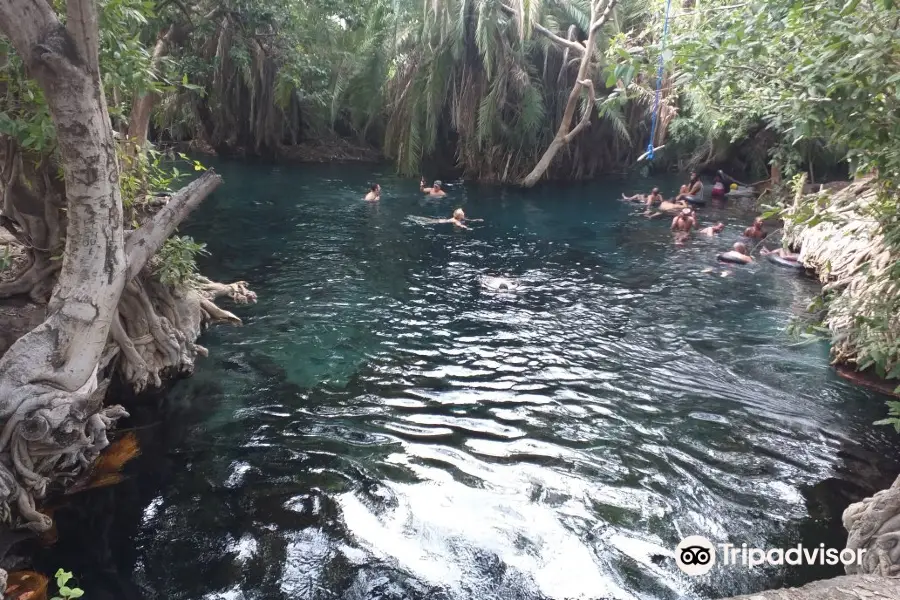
(696, 555)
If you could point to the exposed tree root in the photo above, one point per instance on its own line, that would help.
(52, 434)
(156, 328)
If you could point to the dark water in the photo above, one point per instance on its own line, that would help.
(383, 428)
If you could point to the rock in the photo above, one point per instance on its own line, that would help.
(848, 587)
(874, 525)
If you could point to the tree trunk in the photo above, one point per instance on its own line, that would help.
(566, 133)
(53, 378)
(142, 107)
(48, 378)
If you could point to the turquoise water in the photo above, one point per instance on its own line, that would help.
(383, 427)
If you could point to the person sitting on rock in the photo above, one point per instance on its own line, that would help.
(435, 191)
(694, 191)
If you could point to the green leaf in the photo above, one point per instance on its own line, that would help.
(849, 7)
(76, 593)
(63, 577)
(65, 591)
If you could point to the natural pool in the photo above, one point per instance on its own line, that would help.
(384, 428)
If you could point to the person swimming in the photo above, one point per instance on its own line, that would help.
(718, 190)
(781, 253)
(435, 191)
(713, 230)
(684, 221)
(374, 192)
(738, 254)
(667, 207)
(755, 231)
(651, 199)
(458, 219)
(499, 284)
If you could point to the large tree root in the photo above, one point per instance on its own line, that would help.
(53, 436)
(156, 328)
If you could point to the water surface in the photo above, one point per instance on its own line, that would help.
(383, 427)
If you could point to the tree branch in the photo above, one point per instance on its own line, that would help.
(25, 23)
(573, 45)
(81, 23)
(588, 110)
(610, 5)
(144, 242)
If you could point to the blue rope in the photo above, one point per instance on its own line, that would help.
(659, 76)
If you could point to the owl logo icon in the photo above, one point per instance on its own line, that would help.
(695, 555)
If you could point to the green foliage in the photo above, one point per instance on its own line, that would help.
(893, 418)
(24, 115)
(66, 592)
(817, 73)
(175, 264)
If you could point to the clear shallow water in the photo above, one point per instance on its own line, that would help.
(382, 427)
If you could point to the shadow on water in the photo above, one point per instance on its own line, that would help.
(384, 428)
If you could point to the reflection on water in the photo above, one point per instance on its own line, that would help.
(385, 427)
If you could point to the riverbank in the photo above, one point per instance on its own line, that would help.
(844, 237)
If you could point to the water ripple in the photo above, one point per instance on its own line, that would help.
(383, 427)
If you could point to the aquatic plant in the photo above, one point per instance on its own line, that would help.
(64, 590)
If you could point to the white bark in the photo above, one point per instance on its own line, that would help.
(566, 133)
(48, 378)
(52, 380)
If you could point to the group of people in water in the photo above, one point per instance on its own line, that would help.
(683, 209)
(458, 219)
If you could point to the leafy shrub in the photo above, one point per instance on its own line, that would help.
(66, 592)
(176, 262)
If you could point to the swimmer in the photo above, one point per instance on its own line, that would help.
(651, 199)
(781, 253)
(739, 253)
(684, 222)
(435, 191)
(755, 231)
(499, 284)
(667, 208)
(713, 230)
(374, 193)
(458, 219)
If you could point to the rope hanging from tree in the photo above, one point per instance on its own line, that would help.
(659, 76)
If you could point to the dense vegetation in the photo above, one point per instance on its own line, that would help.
(821, 81)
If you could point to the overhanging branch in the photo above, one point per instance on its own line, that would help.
(146, 241)
(572, 45)
(588, 110)
(596, 25)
